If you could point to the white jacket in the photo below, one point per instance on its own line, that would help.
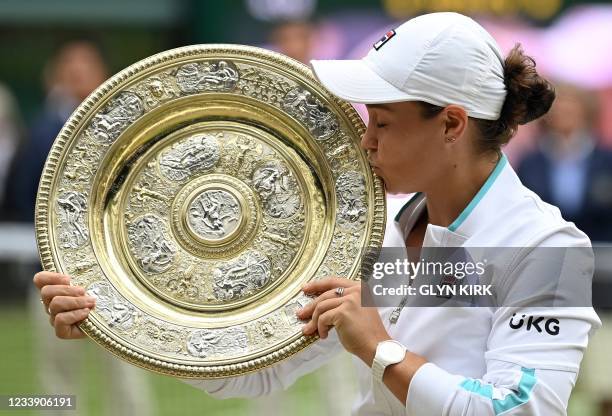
(478, 364)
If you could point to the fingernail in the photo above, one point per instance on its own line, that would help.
(81, 291)
(86, 310)
(299, 311)
(90, 299)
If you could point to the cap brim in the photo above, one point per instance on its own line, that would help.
(354, 81)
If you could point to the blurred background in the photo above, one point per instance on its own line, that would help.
(55, 52)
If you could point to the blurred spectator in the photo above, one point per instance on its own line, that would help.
(569, 168)
(294, 39)
(11, 134)
(71, 75)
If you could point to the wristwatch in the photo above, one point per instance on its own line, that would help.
(387, 352)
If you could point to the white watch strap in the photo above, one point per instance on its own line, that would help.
(378, 370)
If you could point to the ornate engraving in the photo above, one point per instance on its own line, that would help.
(278, 189)
(214, 214)
(161, 336)
(83, 166)
(207, 76)
(71, 210)
(120, 112)
(156, 89)
(350, 190)
(263, 85)
(153, 251)
(301, 104)
(184, 285)
(115, 310)
(241, 277)
(240, 155)
(281, 241)
(190, 156)
(204, 343)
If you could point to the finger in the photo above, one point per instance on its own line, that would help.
(307, 310)
(329, 320)
(47, 293)
(321, 308)
(65, 324)
(322, 285)
(43, 278)
(61, 304)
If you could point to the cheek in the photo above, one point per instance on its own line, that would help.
(407, 161)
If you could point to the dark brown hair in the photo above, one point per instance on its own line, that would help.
(529, 97)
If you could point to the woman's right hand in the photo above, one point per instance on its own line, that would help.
(66, 305)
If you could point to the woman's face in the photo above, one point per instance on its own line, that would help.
(405, 149)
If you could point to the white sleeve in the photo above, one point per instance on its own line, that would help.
(276, 377)
(532, 357)
(529, 371)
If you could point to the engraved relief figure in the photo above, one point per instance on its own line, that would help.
(350, 190)
(241, 277)
(115, 310)
(157, 90)
(207, 342)
(308, 109)
(187, 157)
(123, 110)
(71, 210)
(214, 213)
(267, 328)
(278, 189)
(154, 254)
(209, 76)
(83, 163)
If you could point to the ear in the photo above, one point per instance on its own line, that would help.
(456, 121)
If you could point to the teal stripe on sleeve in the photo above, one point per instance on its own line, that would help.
(509, 402)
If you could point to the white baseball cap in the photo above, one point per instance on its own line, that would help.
(440, 58)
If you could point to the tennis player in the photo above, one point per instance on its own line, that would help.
(442, 101)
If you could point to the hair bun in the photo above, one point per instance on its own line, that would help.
(529, 95)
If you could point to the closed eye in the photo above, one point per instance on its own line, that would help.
(381, 125)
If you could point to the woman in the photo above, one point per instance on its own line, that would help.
(441, 102)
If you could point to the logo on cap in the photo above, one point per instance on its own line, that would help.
(384, 39)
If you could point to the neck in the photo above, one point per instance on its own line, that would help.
(452, 193)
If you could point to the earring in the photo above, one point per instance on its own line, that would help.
(451, 139)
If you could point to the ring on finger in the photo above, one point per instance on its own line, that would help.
(339, 291)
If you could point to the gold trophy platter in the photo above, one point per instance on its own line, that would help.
(193, 194)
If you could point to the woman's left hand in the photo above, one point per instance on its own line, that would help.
(359, 328)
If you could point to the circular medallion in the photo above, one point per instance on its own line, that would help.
(214, 215)
(194, 193)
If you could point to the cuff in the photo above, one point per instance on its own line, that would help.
(429, 390)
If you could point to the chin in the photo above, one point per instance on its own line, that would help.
(400, 189)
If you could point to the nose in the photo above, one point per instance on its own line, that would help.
(368, 140)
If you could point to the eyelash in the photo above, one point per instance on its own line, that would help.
(380, 125)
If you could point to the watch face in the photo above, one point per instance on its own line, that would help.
(392, 352)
